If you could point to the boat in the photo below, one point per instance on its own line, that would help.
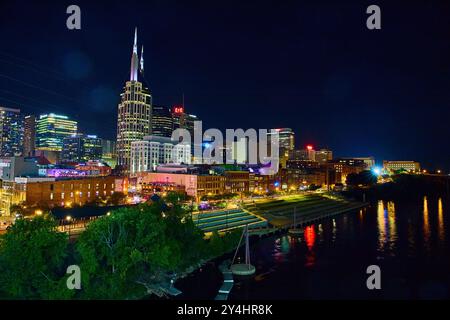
(295, 231)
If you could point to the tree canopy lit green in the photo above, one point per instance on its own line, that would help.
(132, 253)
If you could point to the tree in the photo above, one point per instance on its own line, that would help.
(134, 251)
(32, 260)
(16, 209)
(174, 197)
(365, 178)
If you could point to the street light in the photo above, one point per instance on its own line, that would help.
(376, 171)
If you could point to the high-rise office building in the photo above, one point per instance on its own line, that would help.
(11, 132)
(51, 129)
(189, 123)
(29, 136)
(165, 120)
(323, 155)
(178, 117)
(286, 142)
(162, 122)
(303, 154)
(82, 148)
(109, 152)
(134, 111)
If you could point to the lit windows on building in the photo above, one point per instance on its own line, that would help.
(80, 147)
(134, 112)
(147, 154)
(11, 132)
(411, 166)
(51, 129)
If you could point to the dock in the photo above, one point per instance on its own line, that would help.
(228, 282)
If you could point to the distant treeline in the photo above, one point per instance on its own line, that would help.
(403, 186)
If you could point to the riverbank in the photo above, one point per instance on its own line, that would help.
(279, 212)
(409, 240)
(402, 187)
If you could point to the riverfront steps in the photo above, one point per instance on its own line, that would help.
(309, 208)
(266, 216)
(225, 220)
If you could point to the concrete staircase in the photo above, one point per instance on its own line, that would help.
(224, 220)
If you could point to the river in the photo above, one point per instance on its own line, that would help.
(409, 241)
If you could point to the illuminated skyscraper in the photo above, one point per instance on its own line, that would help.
(162, 122)
(29, 136)
(134, 111)
(11, 132)
(51, 129)
(323, 155)
(82, 147)
(286, 138)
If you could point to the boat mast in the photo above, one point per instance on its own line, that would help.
(247, 247)
(295, 222)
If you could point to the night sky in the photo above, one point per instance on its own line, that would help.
(309, 65)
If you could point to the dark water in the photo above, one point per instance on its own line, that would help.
(409, 241)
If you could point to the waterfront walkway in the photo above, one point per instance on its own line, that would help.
(309, 208)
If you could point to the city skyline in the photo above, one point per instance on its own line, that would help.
(234, 153)
(355, 121)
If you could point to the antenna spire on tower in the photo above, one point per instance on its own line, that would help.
(142, 60)
(135, 40)
(134, 60)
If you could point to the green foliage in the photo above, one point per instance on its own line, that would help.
(219, 245)
(174, 197)
(134, 251)
(16, 209)
(117, 198)
(32, 255)
(365, 178)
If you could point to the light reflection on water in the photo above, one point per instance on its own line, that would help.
(387, 228)
(441, 232)
(381, 220)
(426, 223)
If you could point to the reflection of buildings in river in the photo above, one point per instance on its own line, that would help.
(333, 231)
(387, 226)
(310, 238)
(441, 232)
(381, 222)
(426, 223)
(392, 224)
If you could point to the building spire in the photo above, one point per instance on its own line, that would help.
(142, 60)
(135, 41)
(134, 60)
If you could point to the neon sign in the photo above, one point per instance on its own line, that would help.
(178, 109)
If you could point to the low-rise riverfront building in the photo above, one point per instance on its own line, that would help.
(50, 192)
(411, 166)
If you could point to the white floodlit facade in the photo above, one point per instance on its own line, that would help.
(153, 151)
